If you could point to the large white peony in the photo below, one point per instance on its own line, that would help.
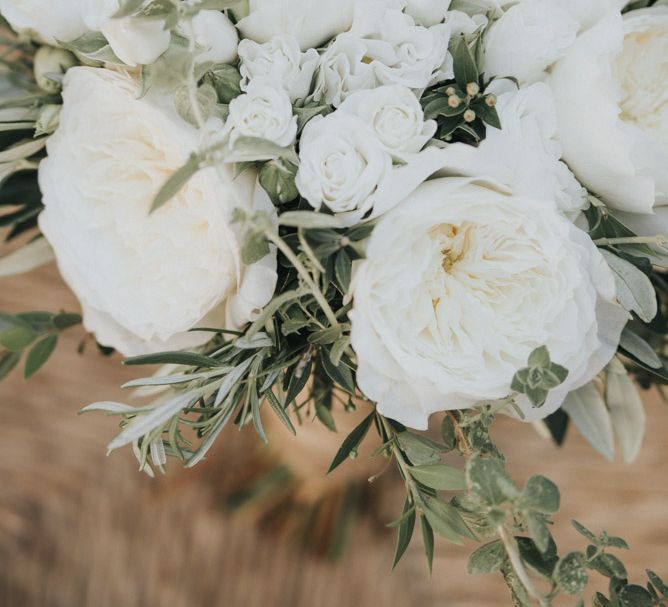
(133, 41)
(50, 20)
(143, 279)
(460, 284)
(612, 104)
(524, 154)
(312, 22)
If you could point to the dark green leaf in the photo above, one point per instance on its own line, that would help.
(609, 565)
(405, 532)
(542, 563)
(280, 411)
(466, 70)
(66, 320)
(351, 442)
(343, 269)
(634, 596)
(658, 583)
(428, 541)
(487, 559)
(448, 433)
(39, 354)
(8, 361)
(600, 601)
(557, 424)
(17, 338)
(188, 359)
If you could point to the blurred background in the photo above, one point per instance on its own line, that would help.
(78, 528)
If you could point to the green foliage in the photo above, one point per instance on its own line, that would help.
(33, 332)
(539, 377)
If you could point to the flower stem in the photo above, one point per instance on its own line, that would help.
(659, 241)
(306, 276)
(513, 554)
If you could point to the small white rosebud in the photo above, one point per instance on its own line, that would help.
(472, 89)
(51, 61)
(454, 101)
(450, 91)
(490, 100)
(469, 116)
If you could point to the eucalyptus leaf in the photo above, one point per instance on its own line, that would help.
(487, 559)
(570, 574)
(634, 290)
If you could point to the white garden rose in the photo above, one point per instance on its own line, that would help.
(281, 62)
(610, 96)
(396, 117)
(460, 284)
(529, 37)
(263, 112)
(346, 167)
(524, 154)
(383, 47)
(143, 279)
(311, 22)
(215, 36)
(51, 21)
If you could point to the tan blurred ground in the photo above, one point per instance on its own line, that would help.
(78, 529)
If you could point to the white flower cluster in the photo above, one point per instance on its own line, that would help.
(477, 256)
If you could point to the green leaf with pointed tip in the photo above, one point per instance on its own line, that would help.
(487, 559)
(176, 182)
(609, 565)
(466, 70)
(420, 450)
(540, 357)
(634, 596)
(440, 477)
(428, 541)
(405, 532)
(446, 520)
(541, 494)
(40, 354)
(8, 361)
(351, 442)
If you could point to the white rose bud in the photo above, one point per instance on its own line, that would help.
(215, 36)
(459, 285)
(311, 22)
(134, 41)
(50, 61)
(143, 280)
(396, 117)
(263, 112)
(610, 97)
(527, 39)
(427, 12)
(280, 62)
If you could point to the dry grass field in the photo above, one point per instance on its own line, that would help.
(78, 529)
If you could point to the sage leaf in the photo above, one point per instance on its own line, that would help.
(634, 290)
(40, 354)
(487, 559)
(440, 477)
(570, 575)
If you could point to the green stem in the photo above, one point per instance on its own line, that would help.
(655, 240)
(401, 461)
(516, 561)
(306, 276)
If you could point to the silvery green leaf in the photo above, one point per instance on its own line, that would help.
(24, 149)
(48, 120)
(588, 412)
(488, 479)
(245, 149)
(109, 407)
(626, 410)
(29, 257)
(310, 220)
(158, 416)
(176, 182)
(440, 477)
(231, 380)
(206, 98)
(540, 494)
(259, 340)
(634, 290)
(226, 81)
(487, 559)
(94, 47)
(211, 437)
(277, 177)
(570, 574)
(636, 345)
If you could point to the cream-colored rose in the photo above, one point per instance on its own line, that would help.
(50, 20)
(611, 99)
(312, 22)
(143, 279)
(460, 284)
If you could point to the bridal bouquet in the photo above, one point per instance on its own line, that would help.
(417, 210)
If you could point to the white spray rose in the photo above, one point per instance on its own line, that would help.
(610, 93)
(216, 37)
(525, 154)
(383, 47)
(280, 62)
(460, 284)
(143, 279)
(396, 117)
(529, 37)
(312, 22)
(346, 167)
(50, 21)
(427, 12)
(263, 112)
